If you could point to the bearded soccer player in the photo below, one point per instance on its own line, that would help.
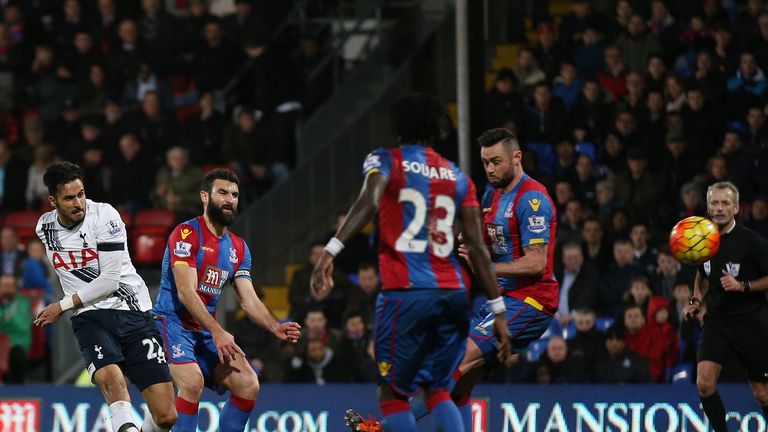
(201, 259)
(519, 226)
(86, 243)
(422, 312)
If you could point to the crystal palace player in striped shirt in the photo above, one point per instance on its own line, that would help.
(422, 313)
(201, 260)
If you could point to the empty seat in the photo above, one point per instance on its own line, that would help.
(148, 249)
(24, 223)
(154, 221)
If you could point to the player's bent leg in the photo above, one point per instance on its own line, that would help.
(189, 380)
(707, 373)
(396, 411)
(468, 374)
(239, 378)
(160, 400)
(111, 381)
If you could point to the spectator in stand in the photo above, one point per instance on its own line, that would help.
(581, 18)
(132, 186)
(668, 272)
(245, 24)
(95, 92)
(155, 128)
(216, 60)
(643, 193)
(645, 255)
(127, 54)
(11, 255)
(158, 32)
(503, 102)
(587, 343)
(756, 136)
(638, 44)
(614, 281)
(96, 172)
(758, 217)
(145, 81)
(620, 365)
(565, 158)
(634, 321)
(634, 100)
(662, 347)
(620, 17)
(104, 26)
(548, 51)
(655, 74)
(747, 87)
(626, 129)
(37, 269)
(740, 165)
(569, 222)
(591, 111)
(589, 55)
(177, 185)
(204, 132)
(316, 328)
(701, 125)
(527, 71)
(638, 293)
(665, 29)
(545, 116)
(596, 248)
(15, 319)
(319, 365)
(691, 201)
(191, 28)
(688, 331)
(612, 77)
(585, 179)
(674, 93)
(567, 86)
(245, 144)
(606, 199)
(14, 178)
(578, 283)
(363, 297)
(563, 194)
(34, 137)
(709, 78)
(352, 350)
(36, 193)
(716, 170)
(91, 128)
(676, 161)
(619, 224)
(724, 54)
(759, 43)
(561, 367)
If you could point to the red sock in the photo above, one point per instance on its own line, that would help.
(436, 399)
(185, 406)
(242, 404)
(394, 406)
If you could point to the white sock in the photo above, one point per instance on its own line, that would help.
(122, 417)
(149, 425)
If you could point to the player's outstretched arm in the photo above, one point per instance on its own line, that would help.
(362, 211)
(259, 313)
(700, 288)
(108, 281)
(186, 286)
(483, 268)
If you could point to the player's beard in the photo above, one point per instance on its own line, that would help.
(504, 181)
(217, 215)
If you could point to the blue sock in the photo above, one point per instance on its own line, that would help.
(235, 414)
(187, 420)
(465, 411)
(399, 422)
(448, 418)
(419, 408)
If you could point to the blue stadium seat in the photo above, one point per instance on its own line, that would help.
(569, 331)
(681, 374)
(546, 153)
(602, 323)
(587, 148)
(535, 349)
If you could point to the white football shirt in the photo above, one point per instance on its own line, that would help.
(74, 253)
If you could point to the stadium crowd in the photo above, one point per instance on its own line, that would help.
(627, 111)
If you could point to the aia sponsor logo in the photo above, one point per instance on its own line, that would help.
(20, 415)
(74, 260)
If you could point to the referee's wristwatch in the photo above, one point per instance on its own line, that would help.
(694, 301)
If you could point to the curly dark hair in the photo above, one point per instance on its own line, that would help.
(218, 174)
(59, 174)
(419, 118)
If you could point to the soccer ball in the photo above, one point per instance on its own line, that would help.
(694, 240)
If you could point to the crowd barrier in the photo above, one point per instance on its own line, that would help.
(497, 408)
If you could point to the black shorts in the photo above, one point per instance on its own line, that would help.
(743, 335)
(128, 339)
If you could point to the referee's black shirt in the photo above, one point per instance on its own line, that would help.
(744, 254)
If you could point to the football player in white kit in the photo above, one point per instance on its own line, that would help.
(86, 243)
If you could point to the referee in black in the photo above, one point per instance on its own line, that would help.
(733, 284)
